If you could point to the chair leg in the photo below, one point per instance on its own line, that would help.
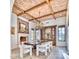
(46, 53)
(49, 49)
(21, 53)
(37, 53)
(30, 52)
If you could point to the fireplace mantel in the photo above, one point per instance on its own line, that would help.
(22, 35)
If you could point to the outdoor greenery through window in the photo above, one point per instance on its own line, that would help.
(61, 33)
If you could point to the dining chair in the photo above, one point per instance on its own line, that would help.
(49, 45)
(25, 49)
(41, 48)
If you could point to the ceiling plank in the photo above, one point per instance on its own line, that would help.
(50, 7)
(33, 18)
(26, 13)
(30, 15)
(44, 16)
(18, 8)
(60, 11)
(50, 14)
(33, 7)
(23, 10)
(14, 6)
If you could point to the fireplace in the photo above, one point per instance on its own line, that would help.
(23, 39)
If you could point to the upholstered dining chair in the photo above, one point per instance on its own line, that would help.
(48, 46)
(25, 49)
(41, 48)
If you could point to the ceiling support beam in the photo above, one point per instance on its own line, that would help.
(50, 14)
(50, 7)
(60, 11)
(33, 8)
(18, 8)
(25, 13)
(30, 15)
(33, 18)
(44, 16)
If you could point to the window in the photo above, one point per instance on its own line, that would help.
(61, 33)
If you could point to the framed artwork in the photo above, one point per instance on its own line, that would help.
(23, 26)
(12, 30)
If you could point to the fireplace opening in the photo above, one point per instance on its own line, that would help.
(22, 39)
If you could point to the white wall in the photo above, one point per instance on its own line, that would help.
(13, 24)
(58, 22)
(14, 37)
(67, 30)
(11, 4)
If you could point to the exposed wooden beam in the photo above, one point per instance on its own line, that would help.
(18, 8)
(33, 7)
(30, 15)
(50, 7)
(60, 11)
(51, 14)
(25, 13)
(33, 18)
(36, 6)
(44, 16)
(41, 16)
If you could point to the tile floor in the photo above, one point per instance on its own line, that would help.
(54, 54)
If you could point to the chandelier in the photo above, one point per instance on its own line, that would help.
(39, 25)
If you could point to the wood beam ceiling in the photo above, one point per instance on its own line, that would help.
(26, 13)
(30, 15)
(44, 16)
(60, 11)
(50, 7)
(33, 18)
(18, 8)
(14, 6)
(50, 14)
(33, 8)
(22, 11)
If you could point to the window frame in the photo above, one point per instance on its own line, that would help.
(61, 32)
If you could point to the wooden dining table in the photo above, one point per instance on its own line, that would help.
(34, 45)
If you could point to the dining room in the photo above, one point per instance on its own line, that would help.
(39, 29)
